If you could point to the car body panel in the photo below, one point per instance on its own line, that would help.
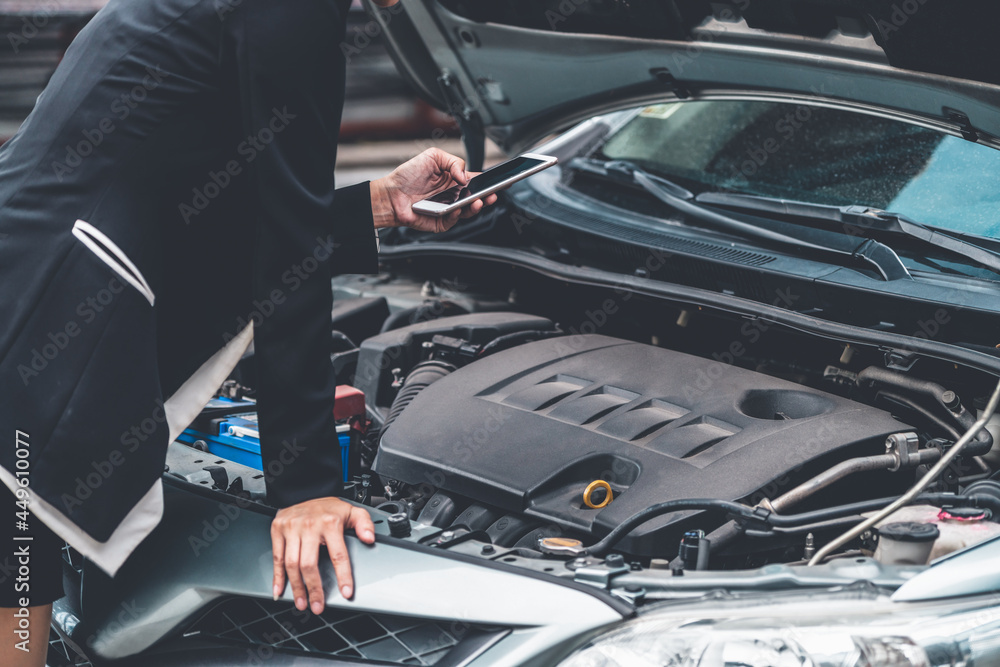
(207, 548)
(972, 571)
(522, 83)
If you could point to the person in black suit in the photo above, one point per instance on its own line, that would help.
(173, 183)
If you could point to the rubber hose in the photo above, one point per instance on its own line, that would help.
(423, 374)
(982, 441)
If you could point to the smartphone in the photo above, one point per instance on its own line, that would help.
(484, 184)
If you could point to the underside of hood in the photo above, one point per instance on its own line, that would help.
(516, 69)
(950, 37)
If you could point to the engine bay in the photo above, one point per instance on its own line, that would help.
(493, 428)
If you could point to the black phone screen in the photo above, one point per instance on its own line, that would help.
(486, 180)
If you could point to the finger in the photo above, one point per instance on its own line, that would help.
(309, 567)
(478, 205)
(449, 221)
(472, 209)
(334, 538)
(426, 223)
(292, 550)
(278, 556)
(362, 524)
(453, 164)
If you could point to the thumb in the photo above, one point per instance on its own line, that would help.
(454, 165)
(458, 173)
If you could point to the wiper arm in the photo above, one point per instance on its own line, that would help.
(859, 221)
(877, 255)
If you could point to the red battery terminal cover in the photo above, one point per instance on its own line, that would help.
(349, 406)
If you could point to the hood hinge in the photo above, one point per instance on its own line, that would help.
(469, 122)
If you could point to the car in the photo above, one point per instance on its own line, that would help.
(720, 388)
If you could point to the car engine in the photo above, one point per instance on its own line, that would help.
(515, 437)
(527, 431)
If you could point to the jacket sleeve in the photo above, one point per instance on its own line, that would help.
(289, 73)
(356, 250)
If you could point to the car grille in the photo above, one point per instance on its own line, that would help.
(336, 632)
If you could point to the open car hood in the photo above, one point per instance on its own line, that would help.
(516, 70)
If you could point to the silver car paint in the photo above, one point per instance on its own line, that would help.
(184, 566)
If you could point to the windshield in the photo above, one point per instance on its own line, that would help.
(819, 155)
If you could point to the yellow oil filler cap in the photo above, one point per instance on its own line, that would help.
(597, 494)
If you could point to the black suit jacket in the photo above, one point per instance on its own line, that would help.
(173, 184)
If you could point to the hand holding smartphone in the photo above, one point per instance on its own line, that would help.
(484, 184)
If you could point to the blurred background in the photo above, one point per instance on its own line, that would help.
(384, 123)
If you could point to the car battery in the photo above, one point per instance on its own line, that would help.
(228, 428)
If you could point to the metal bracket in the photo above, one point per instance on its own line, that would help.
(969, 133)
(634, 595)
(903, 447)
(599, 575)
(900, 360)
(468, 119)
(664, 76)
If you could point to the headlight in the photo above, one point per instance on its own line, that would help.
(826, 630)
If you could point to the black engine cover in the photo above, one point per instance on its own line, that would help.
(528, 429)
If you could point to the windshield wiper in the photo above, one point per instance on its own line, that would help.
(857, 221)
(877, 255)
